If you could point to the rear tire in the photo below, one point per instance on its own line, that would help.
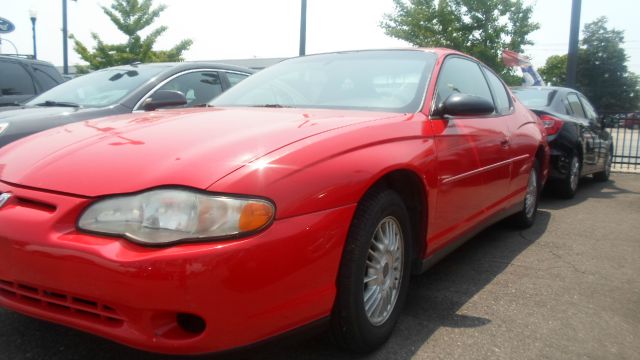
(374, 273)
(566, 188)
(604, 175)
(527, 216)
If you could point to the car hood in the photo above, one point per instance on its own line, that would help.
(132, 152)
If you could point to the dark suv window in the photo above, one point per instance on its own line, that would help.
(46, 76)
(14, 79)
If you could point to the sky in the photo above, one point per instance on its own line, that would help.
(239, 29)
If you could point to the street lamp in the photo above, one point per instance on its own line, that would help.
(32, 16)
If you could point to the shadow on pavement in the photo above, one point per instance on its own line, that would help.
(434, 301)
(588, 189)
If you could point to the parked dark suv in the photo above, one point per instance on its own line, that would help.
(21, 79)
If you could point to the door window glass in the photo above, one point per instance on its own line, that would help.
(576, 108)
(501, 95)
(459, 75)
(15, 80)
(588, 109)
(235, 78)
(198, 87)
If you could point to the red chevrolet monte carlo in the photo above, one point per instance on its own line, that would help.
(310, 191)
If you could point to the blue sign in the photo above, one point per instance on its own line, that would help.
(6, 26)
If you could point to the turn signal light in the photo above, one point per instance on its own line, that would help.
(255, 215)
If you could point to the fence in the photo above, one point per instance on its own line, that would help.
(625, 132)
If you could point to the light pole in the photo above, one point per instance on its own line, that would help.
(572, 57)
(32, 16)
(303, 27)
(65, 58)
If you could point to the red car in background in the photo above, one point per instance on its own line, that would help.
(310, 191)
(632, 121)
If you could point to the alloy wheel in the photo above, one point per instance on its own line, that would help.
(574, 173)
(383, 271)
(532, 194)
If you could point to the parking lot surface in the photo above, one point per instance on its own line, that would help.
(568, 288)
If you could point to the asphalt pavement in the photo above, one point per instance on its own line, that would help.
(568, 288)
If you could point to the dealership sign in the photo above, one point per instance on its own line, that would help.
(6, 26)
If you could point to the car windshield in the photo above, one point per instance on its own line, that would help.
(535, 97)
(363, 80)
(97, 89)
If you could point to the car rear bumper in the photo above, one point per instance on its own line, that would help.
(187, 299)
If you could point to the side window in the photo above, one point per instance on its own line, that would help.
(235, 78)
(503, 105)
(198, 87)
(588, 109)
(15, 80)
(567, 108)
(574, 104)
(43, 76)
(459, 75)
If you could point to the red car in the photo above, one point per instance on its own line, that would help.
(310, 191)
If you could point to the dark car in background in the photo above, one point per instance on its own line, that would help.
(21, 79)
(580, 145)
(120, 90)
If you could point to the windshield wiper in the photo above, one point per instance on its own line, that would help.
(58, 103)
(11, 104)
(271, 106)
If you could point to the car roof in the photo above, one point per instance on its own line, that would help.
(438, 51)
(24, 59)
(186, 65)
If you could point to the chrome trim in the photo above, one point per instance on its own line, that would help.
(136, 108)
(483, 169)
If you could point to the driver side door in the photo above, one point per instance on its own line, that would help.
(472, 153)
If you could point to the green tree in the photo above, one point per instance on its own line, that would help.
(554, 72)
(602, 73)
(481, 28)
(130, 17)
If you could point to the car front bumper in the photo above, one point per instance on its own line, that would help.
(244, 291)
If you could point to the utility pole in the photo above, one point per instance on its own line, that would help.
(572, 60)
(65, 58)
(303, 27)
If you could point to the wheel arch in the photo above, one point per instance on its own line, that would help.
(414, 193)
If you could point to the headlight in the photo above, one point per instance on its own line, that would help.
(3, 127)
(164, 216)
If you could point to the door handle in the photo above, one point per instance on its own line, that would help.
(504, 142)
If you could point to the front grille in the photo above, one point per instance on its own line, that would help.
(59, 303)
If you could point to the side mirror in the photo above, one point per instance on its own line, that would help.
(164, 98)
(465, 105)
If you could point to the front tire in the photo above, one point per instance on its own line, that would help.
(374, 273)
